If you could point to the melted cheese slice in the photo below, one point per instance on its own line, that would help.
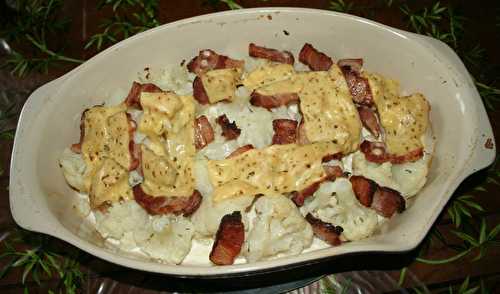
(168, 121)
(220, 84)
(404, 119)
(328, 110)
(274, 170)
(267, 74)
(109, 184)
(107, 135)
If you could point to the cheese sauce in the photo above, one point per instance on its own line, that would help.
(109, 184)
(167, 162)
(106, 135)
(220, 84)
(404, 119)
(267, 74)
(274, 170)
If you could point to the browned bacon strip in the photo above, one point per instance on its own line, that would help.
(229, 129)
(358, 86)
(298, 197)
(333, 172)
(369, 120)
(228, 240)
(208, 60)
(134, 159)
(240, 150)
(270, 54)
(134, 95)
(325, 231)
(336, 156)
(285, 131)
(273, 101)
(387, 201)
(203, 132)
(137, 156)
(301, 135)
(199, 92)
(77, 147)
(375, 152)
(364, 189)
(355, 64)
(411, 156)
(316, 60)
(171, 204)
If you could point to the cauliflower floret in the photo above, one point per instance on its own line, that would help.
(407, 178)
(120, 218)
(207, 217)
(277, 228)
(75, 170)
(170, 240)
(336, 203)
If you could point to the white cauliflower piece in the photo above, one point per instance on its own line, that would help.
(407, 178)
(120, 218)
(171, 239)
(277, 228)
(336, 203)
(380, 173)
(75, 170)
(207, 217)
(410, 176)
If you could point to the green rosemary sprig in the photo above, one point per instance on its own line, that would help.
(461, 207)
(341, 6)
(39, 260)
(481, 243)
(122, 24)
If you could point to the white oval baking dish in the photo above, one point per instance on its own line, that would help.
(41, 200)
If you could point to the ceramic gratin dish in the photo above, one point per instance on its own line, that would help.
(41, 200)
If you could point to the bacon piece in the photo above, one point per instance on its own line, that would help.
(298, 197)
(316, 60)
(387, 201)
(369, 120)
(229, 129)
(228, 240)
(77, 147)
(134, 95)
(375, 152)
(355, 64)
(270, 54)
(411, 156)
(163, 204)
(301, 135)
(137, 156)
(358, 86)
(364, 189)
(132, 147)
(203, 132)
(208, 60)
(336, 156)
(199, 92)
(272, 101)
(240, 150)
(333, 172)
(285, 131)
(325, 231)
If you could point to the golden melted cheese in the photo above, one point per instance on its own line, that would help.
(328, 110)
(106, 135)
(274, 170)
(220, 84)
(267, 74)
(109, 184)
(325, 101)
(404, 119)
(168, 121)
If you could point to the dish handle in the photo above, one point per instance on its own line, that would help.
(483, 149)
